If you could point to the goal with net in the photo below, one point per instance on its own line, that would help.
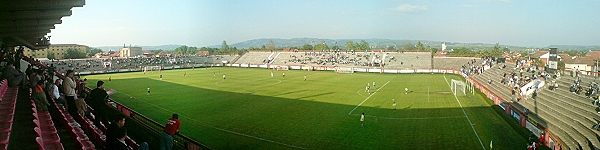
(151, 68)
(459, 87)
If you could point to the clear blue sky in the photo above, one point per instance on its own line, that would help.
(209, 22)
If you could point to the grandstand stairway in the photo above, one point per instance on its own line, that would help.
(23, 133)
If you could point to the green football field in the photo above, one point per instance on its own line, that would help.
(252, 110)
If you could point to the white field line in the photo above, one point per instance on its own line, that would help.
(224, 130)
(417, 118)
(368, 97)
(360, 92)
(463, 109)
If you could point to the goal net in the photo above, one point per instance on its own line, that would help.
(151, 68)
(344, 70)
(459, 87)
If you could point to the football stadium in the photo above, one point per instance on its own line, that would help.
(370, 94)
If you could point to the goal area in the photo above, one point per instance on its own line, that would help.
(459, 88)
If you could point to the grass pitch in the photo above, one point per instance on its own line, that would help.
(249, 109)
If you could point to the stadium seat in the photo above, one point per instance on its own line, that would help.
(47, 138)
(8, 110)
(5, 126)
(6, 118)
(85, 144)
(46, 129)
(4, 137)
(52, 146)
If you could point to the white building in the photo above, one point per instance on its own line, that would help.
(444, 46)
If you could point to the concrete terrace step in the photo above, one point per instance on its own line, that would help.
(576, 120)
(504, 91)
(557, 123)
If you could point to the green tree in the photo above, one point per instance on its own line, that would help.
(71, 53)
(363, 45)
(51, 55)
(306, 47)
(335, 47)
(322, 46)
(264, 47)
(420, 46)
(524, 54)
(224, 47)
(192, 50)
(271, 45)
(181, 50)
(350, 45)
(434, 50)
(408, 46)
(497, 47)
(390, 48)
(93, 51)
(157, 51)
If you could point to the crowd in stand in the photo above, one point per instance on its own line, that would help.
(81, 65)
(331, 58)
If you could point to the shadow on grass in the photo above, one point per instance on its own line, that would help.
(231, 120)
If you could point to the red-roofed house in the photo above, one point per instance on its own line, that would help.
(595, 54)
(581, 63)
(538, 54)
(565, 57)
(202, 53)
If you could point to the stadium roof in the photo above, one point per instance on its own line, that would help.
(26, 22)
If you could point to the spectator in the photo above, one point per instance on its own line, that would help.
(118, 143)
(55, 93)
(14, 77)
(81, 105)
(171, 128)
(69, 89)
(97, 101)
(112, 131)
(39, 96)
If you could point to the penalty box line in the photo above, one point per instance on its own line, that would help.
(224, 130)
(368, 97)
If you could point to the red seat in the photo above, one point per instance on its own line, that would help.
(5, 126)
(6, 118)
(45, 128)
(4, 137)
(51, 146)
(85, 144)
(48, 138)
(7, 111)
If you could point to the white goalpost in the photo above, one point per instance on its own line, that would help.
(459, 87)
(151, 68)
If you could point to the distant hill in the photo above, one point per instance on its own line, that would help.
(163, 47)
(374, 42)
(298, 42)
(575, 47)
